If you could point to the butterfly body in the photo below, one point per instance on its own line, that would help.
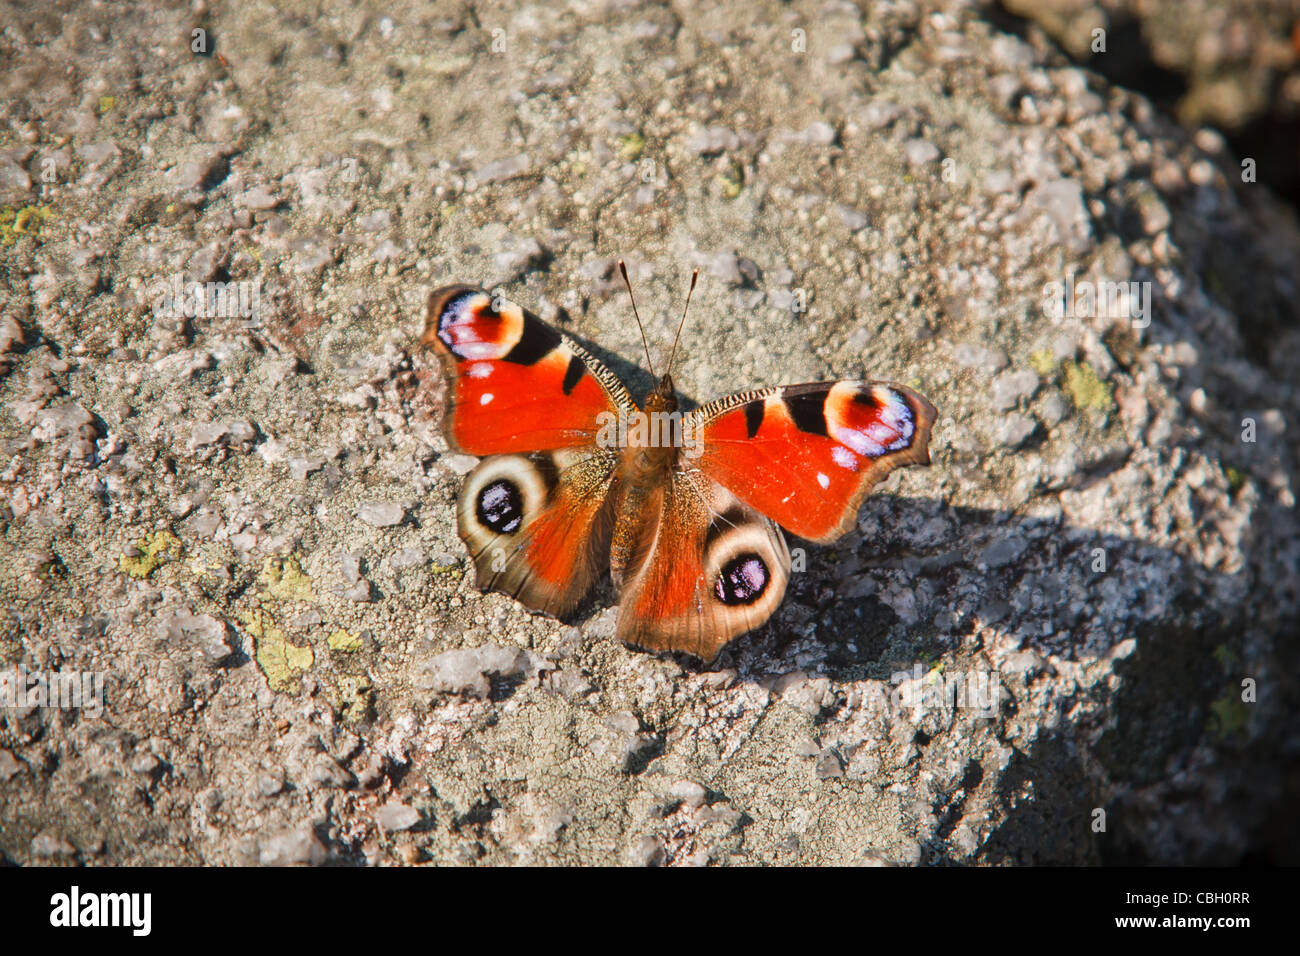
(681, 509)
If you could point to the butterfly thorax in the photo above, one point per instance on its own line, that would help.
(647, 456)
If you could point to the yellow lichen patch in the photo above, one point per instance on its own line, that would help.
(1086, 388)
(1043, 362)
(150, 552)
(452, 569)
(344, 641)
(283, 663)
(733, 181)
(631, 146)
(27, 221)
(355, 698)
(106, 103)
(1235, 478)
(285, 579)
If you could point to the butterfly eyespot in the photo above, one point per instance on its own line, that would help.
(500, 506)
(742, 580)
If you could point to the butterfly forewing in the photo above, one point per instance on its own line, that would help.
(806, 455)
(516, 384)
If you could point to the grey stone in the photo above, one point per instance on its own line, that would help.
(712, 140)
(294, 847)
(920, 152)
(969, 355)
(470, 671)
(382, 514)
(395, 816)
(1011, 386)
(505, 169)
(9, 765)
(1003, 551)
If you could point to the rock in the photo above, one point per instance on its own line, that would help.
(259, 200)
(1011, 386)
(395, 816)
(647, 852)
(734, 270)
(375, 221)
(13, 178)
(207, 434)
(202, 632)
(47, 845)
(295, 847)
(1002, 552)
(690, 793)
(819, 133)
(969, 355)
(919, 152)
(1061, 202)
(69, 427)
(11, 334)
(144, 763)
(504, 169)
(841, 53)
(712, 140)
(519, 254)
(9, 766)
(355, 587)
(270, 782)
(829, 766)
(382, 514)
(854, 219)
(98, 153)
(625, 744)
(459, 464)
(409, 558)
(470, 671)
(300, 468)
(1076, 532)
(1014, 429)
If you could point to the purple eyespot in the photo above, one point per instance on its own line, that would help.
(742, 581)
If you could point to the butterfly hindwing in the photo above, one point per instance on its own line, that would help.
(806, 455)
(712, 568)
(515, 383)
(537, 526)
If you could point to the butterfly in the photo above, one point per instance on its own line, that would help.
(682, 508)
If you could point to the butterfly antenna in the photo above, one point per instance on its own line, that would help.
(694, 275)
(623, 269)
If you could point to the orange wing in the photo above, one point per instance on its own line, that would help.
(806, 455)
(712, 569)
(517, 384)
(537, 526)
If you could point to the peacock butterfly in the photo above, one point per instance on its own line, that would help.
(683, 507)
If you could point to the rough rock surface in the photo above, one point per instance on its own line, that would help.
(244, 521)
